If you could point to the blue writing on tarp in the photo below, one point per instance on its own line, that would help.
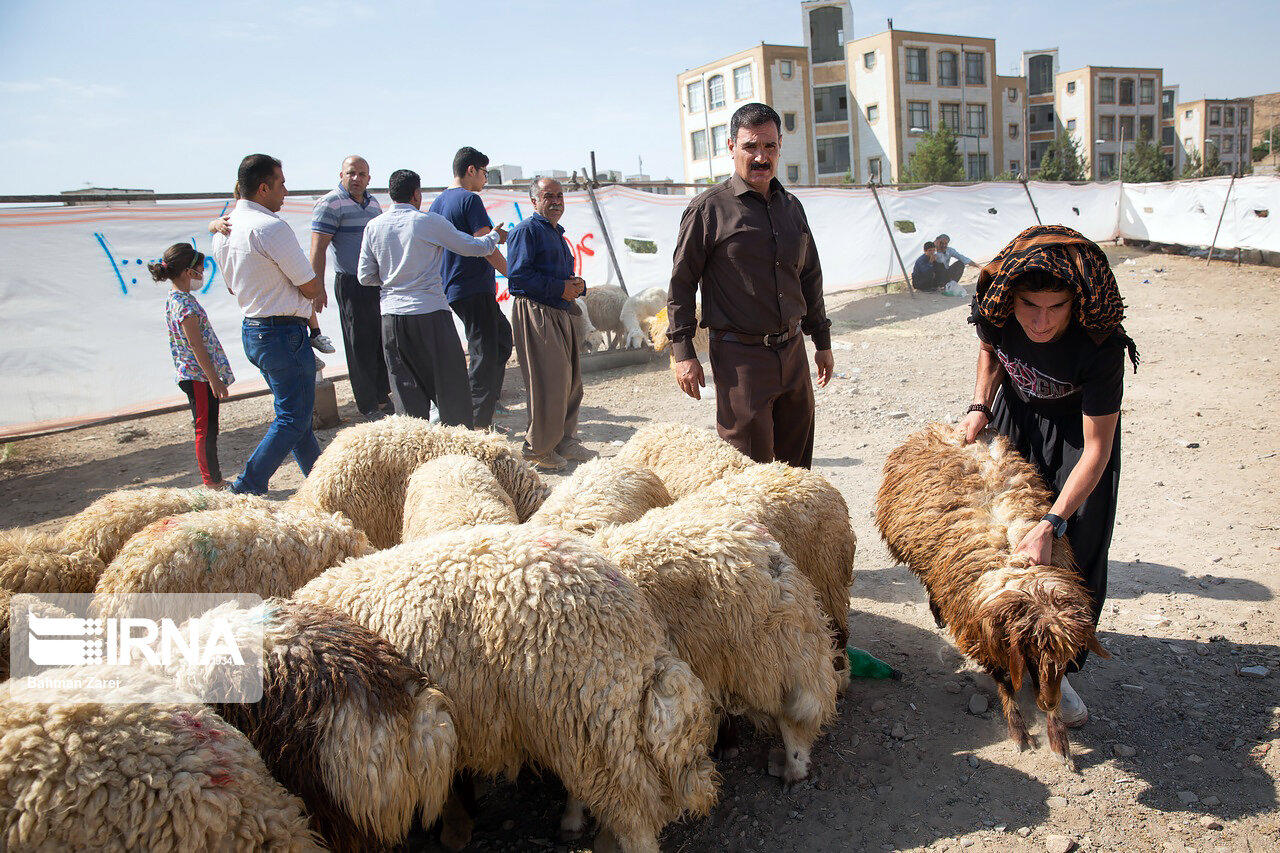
(210, 265)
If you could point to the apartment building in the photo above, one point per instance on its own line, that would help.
(826, 24)
(1106, 109)
(1169, 145)
(1224, 126)
(1039, 69)
(906, 84)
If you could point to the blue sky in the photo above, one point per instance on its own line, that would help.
(170, 95)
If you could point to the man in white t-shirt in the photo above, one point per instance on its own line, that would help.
(276, 287)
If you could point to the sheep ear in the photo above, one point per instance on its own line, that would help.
(1016, 666)
(1096, 647)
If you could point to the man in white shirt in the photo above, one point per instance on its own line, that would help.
(272, 280)
(948, 262)
(401, 253)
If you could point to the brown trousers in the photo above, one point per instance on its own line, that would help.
(547, 345)
(764, 400)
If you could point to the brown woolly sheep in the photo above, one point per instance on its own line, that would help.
(953, 513)
(810, 520)
(364, 472)
(38, 562)
(243, 549)
(552, 658)
(107, 523)
(343, 722)
(685, 458)
(740, 614)
(600, 492)
(452, 492)
(84, 774)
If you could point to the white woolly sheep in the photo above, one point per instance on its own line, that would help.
(740, 614)
(954, 513)
(244, 549)
(35, 604)
(84, 774)
(607, 305)
(638, 310)
(364, 472)
(107, 523)
(685, 458)
(809, 518)
(600, 492)
(343, 722)
(553, 658)
(590, 336)
(451, 492)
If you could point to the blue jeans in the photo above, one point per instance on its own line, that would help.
(281, 349)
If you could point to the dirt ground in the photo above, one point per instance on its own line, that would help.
(1180, 752)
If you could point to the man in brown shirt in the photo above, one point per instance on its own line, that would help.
(747, 242)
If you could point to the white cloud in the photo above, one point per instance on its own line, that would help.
(56, 85)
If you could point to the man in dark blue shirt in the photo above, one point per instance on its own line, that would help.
(471, 288)
(925, 273)
(543, 289)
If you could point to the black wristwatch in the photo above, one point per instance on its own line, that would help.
(1059, 524)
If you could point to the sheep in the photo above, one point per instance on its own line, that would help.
(450, 492)
(603, 491)
(31, 561)
(638, 310)
(740, 614)
(551, 657)
(658, 334)
(93, 772)
(365, 470)
(343, 722)
(953, 513)
(605, 305)
(809, 518)
(236, 550)
(685, 458)
(107, 523)
(590, 337)
(45, 605)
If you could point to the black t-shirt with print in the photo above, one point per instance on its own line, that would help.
(1072, 371)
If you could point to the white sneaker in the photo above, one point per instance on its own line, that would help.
(1071, 709)
(323, 343)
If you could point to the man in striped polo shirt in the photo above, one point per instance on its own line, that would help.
(338, 219)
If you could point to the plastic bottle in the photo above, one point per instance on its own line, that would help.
(866, 665)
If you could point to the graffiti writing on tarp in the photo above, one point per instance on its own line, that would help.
(580, 249)
(124, 268)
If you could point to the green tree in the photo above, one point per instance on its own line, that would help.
(1193, 166)
(935, 160)
(1063, 161)
(1202, 166)
(1262, 150)
(1006, 175)
(1144, 164)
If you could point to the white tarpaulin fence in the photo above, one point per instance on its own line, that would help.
(82, 333)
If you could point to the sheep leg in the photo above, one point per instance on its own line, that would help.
(795, 765)
(457, 817)
(1013, 714)
(727, 738)
(1059, 741)
(573, 820)
(937, 614)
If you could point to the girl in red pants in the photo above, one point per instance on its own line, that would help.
(201, 365)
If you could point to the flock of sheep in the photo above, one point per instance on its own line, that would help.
(434, 611)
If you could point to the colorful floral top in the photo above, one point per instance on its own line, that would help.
(177, 308)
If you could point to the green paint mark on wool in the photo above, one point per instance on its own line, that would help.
(202, 543)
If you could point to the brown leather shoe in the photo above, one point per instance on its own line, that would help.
(551, 462)
(574, 451)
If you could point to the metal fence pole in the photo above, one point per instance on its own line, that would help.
(892, 242)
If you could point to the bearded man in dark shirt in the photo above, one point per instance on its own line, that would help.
(747, 243)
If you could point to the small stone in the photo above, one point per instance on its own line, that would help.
(1190, 445)
(978, 704)
(1187, 797)
(793, 814)
(884, 790)
(951, 687)
(1080, 790)
(1155, 620)
(1133, 688)
(878, 706)
(1059, 844)
(1215, 559)
(1210, 802)
(898, 732)
(1194, 759)
(1201, 650)
(1123, 750)
(897, 414)
(973, 761)
(1209, 823)
(1024, 831)
(1056, 802)
(1258, 671)
(966, 842)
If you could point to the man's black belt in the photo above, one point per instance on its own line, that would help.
(277, 320)
(772, 341)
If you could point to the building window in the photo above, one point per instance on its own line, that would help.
(833, 155)
(698, 139)
(1215, 116)
(1126, 91)
(1013, 131)
(1147, 91)
(949, 114)
(1126, 127)
(720, 140)
(1167, 137)
(1013, 95)
(694, 91)
(948, 68)
(1071, 88)
(742, 88)
(826, 34)
(869, 60)
(874, 169)
(917, 65)
(1071, 125)
(1244, 116)
(1147, 127)
(785, 69)
(793, 174)
(977, 167)
(1041, 117)
(1106, 165)
(977, 118)
(918, 115)
(1015, 166)
(975, 69)
(1166, 104)
(789, 122)
(873, 112)
(830, 103)
(1106, 90)
(1040, 75)
(1107, 128)
(1228, 144)
(715, 92)
(1187, 115)
(1229, 116)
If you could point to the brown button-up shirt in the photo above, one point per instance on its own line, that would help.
(757, 264)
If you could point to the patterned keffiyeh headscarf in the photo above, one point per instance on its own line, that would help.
(1065, 254)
